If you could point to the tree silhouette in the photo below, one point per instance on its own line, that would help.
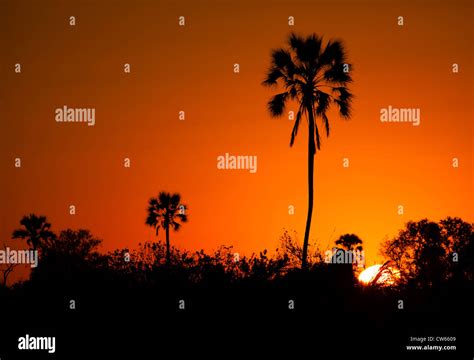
(166, 211)
(7, 269)
(316, 77)
(428, 253)
(349, 242)
(72, 258)
(36, 231)
(76, 243)
(460, 238)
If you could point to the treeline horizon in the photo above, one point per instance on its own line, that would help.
(444, 248)
(125, 290)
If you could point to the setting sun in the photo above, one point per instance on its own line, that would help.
(379, 274)
(369, 274)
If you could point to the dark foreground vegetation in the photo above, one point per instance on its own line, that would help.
(148, 302)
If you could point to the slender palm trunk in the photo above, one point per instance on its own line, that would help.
(311, 152)
(168, 257)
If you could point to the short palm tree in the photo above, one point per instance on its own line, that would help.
(349, 242)
(166, 211)
(316, 77)
(36, 230)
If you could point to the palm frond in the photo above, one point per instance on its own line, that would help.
(323, 101)
(164, 199)
(313, 47)
(281, 59)
(325, 122)
(175, 199)
(344, 101)
(318, 137)
(277, 104)
(298, 45)
(333, 53)
(336, 75)
(273, 75)
(175, 225)
(297, 124)
(182, 217)
(19, 234)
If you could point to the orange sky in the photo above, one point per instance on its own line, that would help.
(191, 68)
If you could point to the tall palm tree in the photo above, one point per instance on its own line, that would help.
(166, 211)
(36, 230)
(316, 77)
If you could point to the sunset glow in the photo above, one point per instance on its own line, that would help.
(388, 276)
(247, 176)
(226, 113)
(369, 274)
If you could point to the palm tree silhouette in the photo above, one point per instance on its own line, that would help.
(166, 211)
(36, 231)
(316, 77)
(349, 242)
